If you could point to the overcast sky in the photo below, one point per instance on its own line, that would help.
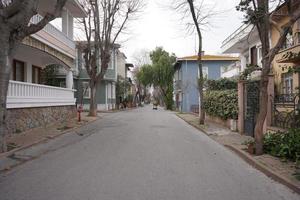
(160, 26)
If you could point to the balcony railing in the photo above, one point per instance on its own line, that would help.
(25, 95)
(285, 98)
(52, 30)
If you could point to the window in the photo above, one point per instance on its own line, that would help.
(289, 40)
(18, 71)
(287, 83)
(86, 90)
(111, 63)
(36, 75)
(62, 84)
(205, 72)
(253, 55)
(81, 61)
(297, 38)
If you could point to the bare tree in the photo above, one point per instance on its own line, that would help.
(106, 20)
(140, 58)
(15, 16)
(258, 13)
(199, 15)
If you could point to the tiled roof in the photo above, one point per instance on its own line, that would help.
(210, 57)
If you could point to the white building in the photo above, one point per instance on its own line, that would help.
(49, 46)
(245, 42)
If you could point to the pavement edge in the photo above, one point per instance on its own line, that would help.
(247, 158)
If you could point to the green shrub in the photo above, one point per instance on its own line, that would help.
(223, 104)
(221, 84)
(283, 144)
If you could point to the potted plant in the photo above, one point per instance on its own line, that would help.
(250, 146)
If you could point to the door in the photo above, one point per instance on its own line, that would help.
(251, 94)
(18, 71)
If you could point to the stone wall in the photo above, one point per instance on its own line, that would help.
(19, 120)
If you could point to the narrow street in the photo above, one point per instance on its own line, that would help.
(141, 154)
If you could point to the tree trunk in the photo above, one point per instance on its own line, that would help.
(5, 70)
(201, 81)
(263, 109)
(200, 85)
(93, 101)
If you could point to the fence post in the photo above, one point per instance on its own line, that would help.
(241, 104)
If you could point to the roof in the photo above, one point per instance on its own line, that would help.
(210, 58)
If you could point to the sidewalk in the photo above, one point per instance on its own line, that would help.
(22, 142)
(283, 172)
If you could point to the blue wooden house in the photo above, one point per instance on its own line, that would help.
(186, 95)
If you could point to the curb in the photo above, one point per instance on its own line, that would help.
(263, 169)
(44, 140)
(197, 127)
(117, 111)
(253, 162)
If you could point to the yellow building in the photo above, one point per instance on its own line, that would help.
(286, 81)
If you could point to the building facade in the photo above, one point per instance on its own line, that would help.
(30, 103)
(284, 77)
(186, 95)
(106, 89)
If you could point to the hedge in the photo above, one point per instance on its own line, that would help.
(221, 84)
(222, 104)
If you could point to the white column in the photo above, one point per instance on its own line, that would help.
(70, 26)
(28, 71)
(106, 97)
(243, 62)
(69, 79)
(65, 22)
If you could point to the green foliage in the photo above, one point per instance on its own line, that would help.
(248, 71)
(283, 144)
(223, 104)
(129, 98)
(122, 86)
(145, 75)
(49, 75)
(253, 14)
(159, 74)
(221, 84)
(163, 73)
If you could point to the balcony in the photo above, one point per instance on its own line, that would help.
(289, 55)
(26, 95)
(232, 70)
(54, 38)
(235, 41)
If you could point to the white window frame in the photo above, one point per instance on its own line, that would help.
(204, 71)
(111, 63)
(86, 94)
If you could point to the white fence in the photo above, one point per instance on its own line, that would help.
(25, 95)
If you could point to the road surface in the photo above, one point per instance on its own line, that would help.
(140, 155)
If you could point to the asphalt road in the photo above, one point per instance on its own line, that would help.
(140, 155)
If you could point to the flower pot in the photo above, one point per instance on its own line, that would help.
(251, 148)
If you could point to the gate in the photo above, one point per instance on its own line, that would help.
(251, 94)
(286, 111)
